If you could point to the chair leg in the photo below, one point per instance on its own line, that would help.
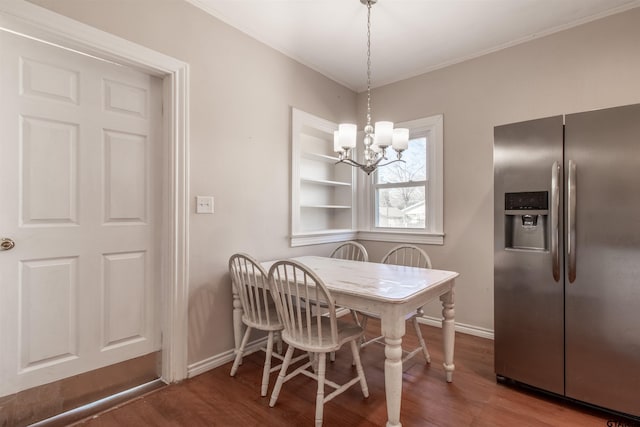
(354, 315)
(240, 352)
(267, 365)
(279, 342)
(363, 325)
(359, 370)
(322, 362)
(423, 344)
(281, 375)
(313, 358)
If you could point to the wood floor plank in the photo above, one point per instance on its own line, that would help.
(473, 399)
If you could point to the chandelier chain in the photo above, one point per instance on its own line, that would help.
(376, 141)
(368, 62)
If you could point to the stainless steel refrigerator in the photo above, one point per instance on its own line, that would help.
(567, 256)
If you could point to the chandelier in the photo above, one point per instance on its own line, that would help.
(376, 140)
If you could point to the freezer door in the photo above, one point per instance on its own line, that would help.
(529, 344)
(603, 300)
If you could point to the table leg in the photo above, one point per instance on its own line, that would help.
(448, 333)
(393, 330)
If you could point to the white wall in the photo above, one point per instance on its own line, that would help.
(241, 93)
(593, 66)
(240, 99)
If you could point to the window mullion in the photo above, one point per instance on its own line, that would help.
(401, 184)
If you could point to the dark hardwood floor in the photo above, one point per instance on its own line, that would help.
(473, 399)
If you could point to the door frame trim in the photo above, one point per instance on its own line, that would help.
(27, 19)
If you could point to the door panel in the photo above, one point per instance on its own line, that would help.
(49, 292)
(125, 177)
(528, 301)
(602, 328)
(48, 81)
(80, 194)
(124, 279)
(49, 172)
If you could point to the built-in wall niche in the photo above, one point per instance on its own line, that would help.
(323, 196)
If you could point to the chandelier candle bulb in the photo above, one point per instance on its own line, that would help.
(347, 135)
(400, 139)
(383, 134)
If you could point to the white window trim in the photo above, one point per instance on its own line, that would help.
(434, 127)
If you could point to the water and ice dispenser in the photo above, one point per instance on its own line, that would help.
(526, 220)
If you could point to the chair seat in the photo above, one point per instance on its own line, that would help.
(321, 341)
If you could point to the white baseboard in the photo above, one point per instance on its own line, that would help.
(228, 356)
(212, 362)
(460, 327)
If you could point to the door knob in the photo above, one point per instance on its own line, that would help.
(6, 244)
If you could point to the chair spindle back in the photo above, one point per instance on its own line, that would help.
(250, 281)
(407, 255)
(350, 250)
(301, 299)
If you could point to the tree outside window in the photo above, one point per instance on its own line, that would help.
(400, 189)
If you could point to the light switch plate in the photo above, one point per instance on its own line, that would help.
(204, 204)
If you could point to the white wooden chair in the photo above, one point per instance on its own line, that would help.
(350, 250)
(250, 281)
(299, 293)
(353, 251)
(410, 256)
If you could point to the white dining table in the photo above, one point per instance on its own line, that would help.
(391, 292)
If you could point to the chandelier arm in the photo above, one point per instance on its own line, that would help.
(392, 161)
(352, 163)
(368, 167)
(362, 166)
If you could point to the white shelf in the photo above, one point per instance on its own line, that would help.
(326, 206)
(322, 193)
(325, 182)
(325, 232)
(324, 236)
(319, 157)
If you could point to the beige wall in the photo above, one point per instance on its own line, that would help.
(241, 93)
(593, 66)
(240, 99)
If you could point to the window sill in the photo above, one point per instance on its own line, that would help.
(402, 237)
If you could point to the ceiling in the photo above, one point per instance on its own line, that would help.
(408, 37)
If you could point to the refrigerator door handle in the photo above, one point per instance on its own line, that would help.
(571, 220)
(555, 208)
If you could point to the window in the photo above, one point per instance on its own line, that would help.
(333, 202)
(405, 198)
(400, 189)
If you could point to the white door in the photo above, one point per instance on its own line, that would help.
(80, 189)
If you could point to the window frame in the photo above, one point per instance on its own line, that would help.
(433, 233)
